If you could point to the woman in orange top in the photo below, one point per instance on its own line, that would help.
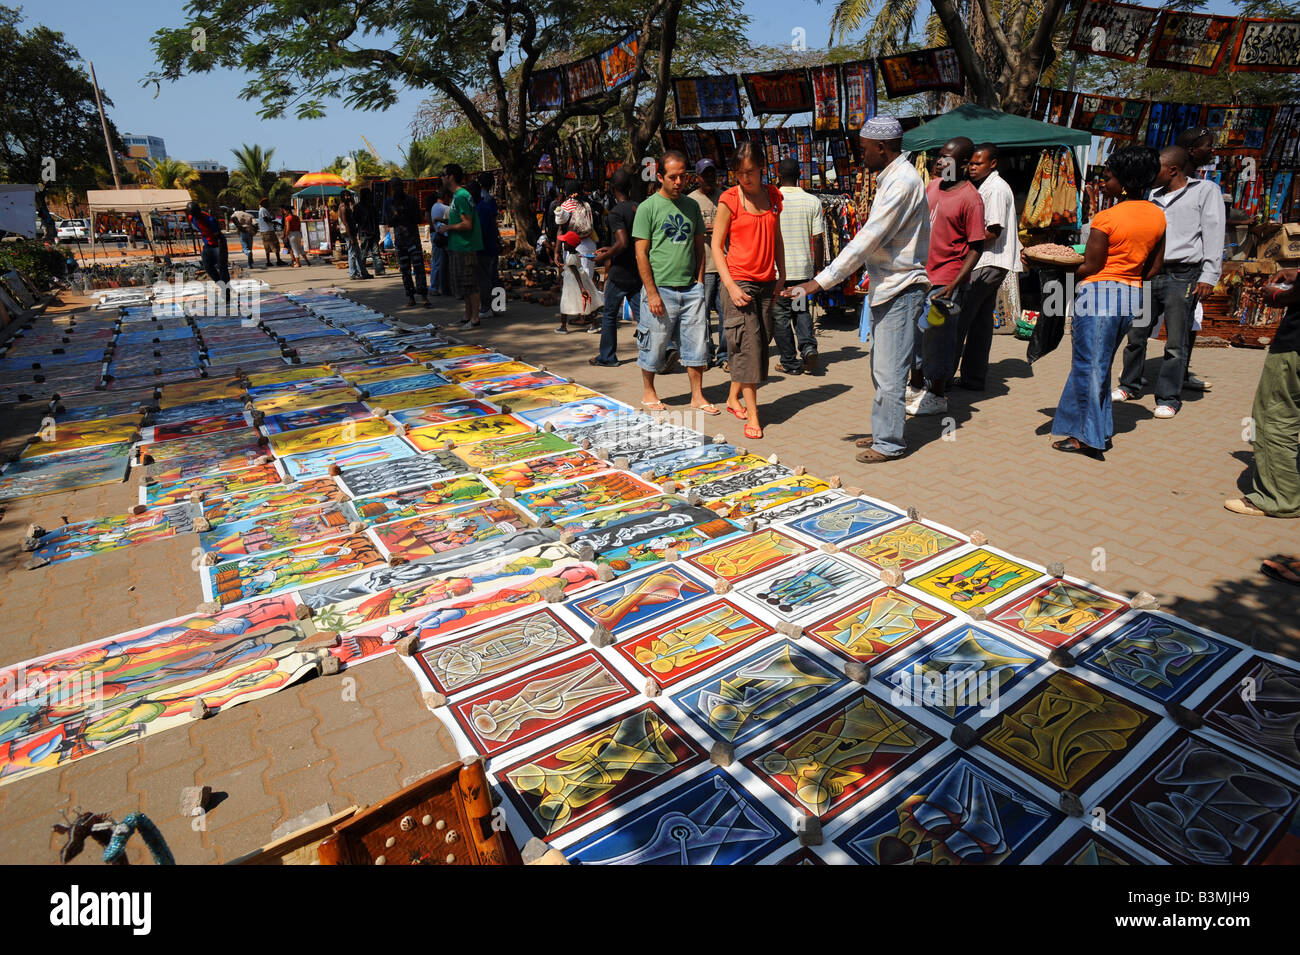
(748, 252)
(1126, 247)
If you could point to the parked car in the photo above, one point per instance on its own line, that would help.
(70, 230)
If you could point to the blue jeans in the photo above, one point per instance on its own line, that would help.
(439, 276)
(410, 259)
(614, 299)
(215, 260)
(893, 325)
(935, 349)
(1103, 312)
(1171, 292)
(246, 242)
(370, 250)
(712, 289)
(683, 319)
(793, 332)
(356, 261)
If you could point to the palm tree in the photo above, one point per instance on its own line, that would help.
(171, 173)
(253, 178)
(418, 162)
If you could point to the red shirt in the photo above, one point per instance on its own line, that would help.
(751, 239)
(292, 224)
(956, 220)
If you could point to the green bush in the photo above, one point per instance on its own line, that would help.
(38, 261)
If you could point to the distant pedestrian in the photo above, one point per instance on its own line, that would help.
(245, 224)
(706, 196)
(266, 229)
(464, 242)
(293, 237)
(214, 255)
(440, 205)
(803, 228)
(367, 220)
(488, 271)
(404, 219)
(1125, 248)
(622, 280)
(348, 225)
(748, 253)
(892, 246)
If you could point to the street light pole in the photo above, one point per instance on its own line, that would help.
(108, 145)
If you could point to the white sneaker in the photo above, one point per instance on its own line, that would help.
(1164, 411)
(928, 404)
(1119, 394)
(912, 396)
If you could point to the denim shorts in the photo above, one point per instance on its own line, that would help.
(654, 333)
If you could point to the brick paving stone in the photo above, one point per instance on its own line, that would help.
(370, 785)
(356, 748)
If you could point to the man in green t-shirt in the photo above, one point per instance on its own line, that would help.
(669, 234)
(464, 241)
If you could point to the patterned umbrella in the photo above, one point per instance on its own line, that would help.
(320, 179)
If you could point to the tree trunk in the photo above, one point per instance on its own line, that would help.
(982, 87)
(518, 185)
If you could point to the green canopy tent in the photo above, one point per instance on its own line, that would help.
(984, 125)
(320, 192)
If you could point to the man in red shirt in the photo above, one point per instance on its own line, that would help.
(956, 237)
(215, 256)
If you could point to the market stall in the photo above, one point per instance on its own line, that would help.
(146, 203)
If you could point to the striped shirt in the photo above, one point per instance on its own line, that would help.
(895, 240)
(801, 219)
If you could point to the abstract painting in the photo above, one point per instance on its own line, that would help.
(521, 447)
(211, 487)
(270, 532)
(380, 389)
(1194, 803)
(575, 414)
(844, 521)
(414, 502)
(654, 523)
(651, 550)
(768, 495)
(904, 546)
(400, 473)
(706, 472)
(961, 674)
(880, 624)
(75, 435)
(1259, 707)
(211, 424)
(100, 535)
(466, 431)
(492, 387)
(747, 556)
(830, 762)
(586, 494)
(553, 468)
(598, 769)
(466, 662)
(413, 418)
(270, 500)
(282, 403)
(546, 397)
(516, 712)
(1159, 657)
(975, 579)
(421, 398)
(1058, 614)
(1068, 733)
(329, 436)
(434, 533)
(806, 587)
(637, 600)
(261, 575)
(756, 693)
(317, 464)
(711, 821)
(692, 642)
(315, 417)
(958, 813)
(661, 468)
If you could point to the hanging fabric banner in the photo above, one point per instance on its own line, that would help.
(1267, 46)
(778, 91)
(923, 71)
(826, 98)
(673, 139)
(1110, 115)
(1282, 146)
(1116, 30)
(618, 63)
(1053, 106)
(546, 90)
(859, 93)
(706, 99)
(1168, 120)
(583, 80)
(1238, 128)
(1191, 41)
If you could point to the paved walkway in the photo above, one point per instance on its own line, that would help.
(1149, 518)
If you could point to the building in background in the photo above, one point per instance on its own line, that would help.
(144, 147)
(205, 165)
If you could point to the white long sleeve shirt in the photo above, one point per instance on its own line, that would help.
(1194, 223)
(894, 241)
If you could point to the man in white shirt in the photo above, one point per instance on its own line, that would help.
(803, 228)
(892, 245)
(1194, 216)
(438, 272)
(1000, 255)
(266, 229)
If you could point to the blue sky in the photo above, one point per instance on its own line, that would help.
(202, 117)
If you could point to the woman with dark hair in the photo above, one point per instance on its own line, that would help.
(1125, 248)
(748, 253)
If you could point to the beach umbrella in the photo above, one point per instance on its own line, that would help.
(320, 179)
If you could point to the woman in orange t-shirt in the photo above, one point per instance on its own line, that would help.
(1126, 247)
(749, 215)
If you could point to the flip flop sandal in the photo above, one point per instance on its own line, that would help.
(1278, 570)
(753, 433)
(742, 416)
(708, 409)
(655, 405)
